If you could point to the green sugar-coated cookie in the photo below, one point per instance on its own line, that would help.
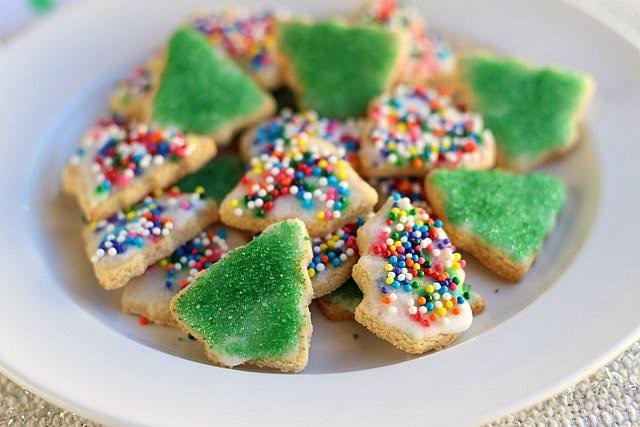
(346, 297)
(336, 69)
(202, 90)
(252, 304)
(217, 178)
(533, 112)
(510, 212)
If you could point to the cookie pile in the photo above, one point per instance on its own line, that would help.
(259, 161)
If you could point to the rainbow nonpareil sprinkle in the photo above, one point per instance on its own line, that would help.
(145, 223)
(420, 266)
(429, 54)
(334, 249)
(120, 150)
(194, 256)
(314, 176)
(411, 187)
(414, 127)
(246, 36)
(343, 135)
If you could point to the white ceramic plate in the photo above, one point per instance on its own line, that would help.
(63, 337)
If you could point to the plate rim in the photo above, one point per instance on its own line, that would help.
(43, 390)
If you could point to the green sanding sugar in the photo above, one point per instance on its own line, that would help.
(511, 212)
(346, 297)
(248, 304)
(218, 177)
(339, 68)
(201, 89)
(531, 111)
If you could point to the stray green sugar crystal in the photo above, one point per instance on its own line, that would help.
(511, 212)
(339, 68)
(202, 90)
(531, 111)
(248, 305)
(217, 178)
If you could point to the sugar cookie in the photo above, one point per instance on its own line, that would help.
(324, 63)
(252, 305)
(533, 112)
(120, 161)
(499, 217)
(305, 180)
(412, 130)
(411, 278)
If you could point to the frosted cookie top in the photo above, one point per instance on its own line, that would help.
(313, 174)
(334, 249)
(422, 274)
(429, 54)
(345, 135)
(117, 151)
(413, 128)
(146, 223)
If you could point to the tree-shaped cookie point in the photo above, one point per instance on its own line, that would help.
(412, 279)
(335, 68)
(252, 305)
(499, 217)
(533, 112)
(202, 90)
(305, 179)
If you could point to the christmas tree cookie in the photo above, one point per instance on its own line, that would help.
(533, 112)
(306, 180)
(335, 68)
(411, 130)
(429, 56)
(341, 304)
(149, 295)
(202, 90)
(500, 218)
(248, 36)
(412, 279)
(345, 135)
(125, 244)
(120, 161)
(252, 305)
(333, 258)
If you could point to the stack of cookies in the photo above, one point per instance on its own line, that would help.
(259, 161)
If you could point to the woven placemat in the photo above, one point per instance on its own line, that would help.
(608, 397)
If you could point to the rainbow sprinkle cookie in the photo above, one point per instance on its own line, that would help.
(202, 90)
(149, 295)
(246, 314)
(333, 258)
(131, 96)
(287, 125)
(341, 304)
(500, 218)
(120, 161)
(429, 55)
(533, 112)
(248, 37)
(412, 130)
(305, 180)
(336, 69)
(412, 278)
